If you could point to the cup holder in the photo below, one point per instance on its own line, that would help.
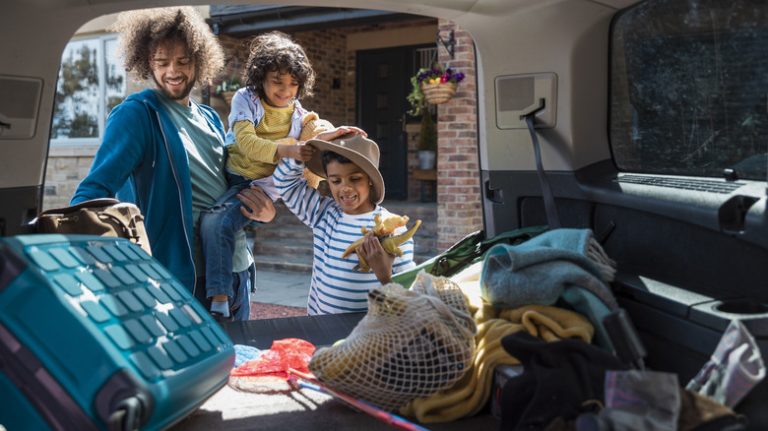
(742, 306)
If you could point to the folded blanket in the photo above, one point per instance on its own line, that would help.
(538, 270)
(472, 391)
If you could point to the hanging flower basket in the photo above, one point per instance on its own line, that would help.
(227, 96)
(432, 86)
(438, 93)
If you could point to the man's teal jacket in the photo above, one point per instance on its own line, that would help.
(143, 158)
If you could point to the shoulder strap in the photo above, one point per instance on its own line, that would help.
(91, 203)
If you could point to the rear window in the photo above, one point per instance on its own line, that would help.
(689, 80)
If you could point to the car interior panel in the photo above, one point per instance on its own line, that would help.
(690, 246)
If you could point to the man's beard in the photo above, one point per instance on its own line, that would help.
(184, 93)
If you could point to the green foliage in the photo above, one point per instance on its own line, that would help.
(78, 82)
(428, 133)
(415, 97)
(231, 83)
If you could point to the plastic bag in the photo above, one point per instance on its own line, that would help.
(275, 362)
(734, 369)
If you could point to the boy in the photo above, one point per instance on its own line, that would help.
(350, 165)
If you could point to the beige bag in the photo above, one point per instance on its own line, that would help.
(103, 217)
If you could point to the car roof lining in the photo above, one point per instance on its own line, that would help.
(574, 31)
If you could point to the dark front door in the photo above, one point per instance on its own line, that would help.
(382, 84)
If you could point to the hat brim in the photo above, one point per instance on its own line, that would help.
(316, 164)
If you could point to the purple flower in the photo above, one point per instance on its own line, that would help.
(436, 71)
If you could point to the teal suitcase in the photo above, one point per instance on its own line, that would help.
(95, 334)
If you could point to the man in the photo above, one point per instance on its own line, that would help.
(165, 152)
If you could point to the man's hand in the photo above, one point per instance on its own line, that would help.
(378, 259)
(256, 205)
(298, 152)
(339, 131)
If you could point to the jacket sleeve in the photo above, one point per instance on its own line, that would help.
(304, 201)
(127, 137)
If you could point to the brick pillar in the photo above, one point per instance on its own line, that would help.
(458, 184)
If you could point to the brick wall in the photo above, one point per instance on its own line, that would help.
(458, 178)
(66, 167)
(327, 51)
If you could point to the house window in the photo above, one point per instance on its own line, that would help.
(425, 57)
(688, 88)
(91, 82)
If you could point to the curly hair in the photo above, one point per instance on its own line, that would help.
(142, 31)
(276, 51)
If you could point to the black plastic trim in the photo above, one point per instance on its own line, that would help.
(597, 184)
(10, 266)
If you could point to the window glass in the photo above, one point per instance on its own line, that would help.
(91, 83)
(115, 76)
(689, 80)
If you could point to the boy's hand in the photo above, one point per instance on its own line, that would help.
(378, 259)
(298, 152)
(339, 131)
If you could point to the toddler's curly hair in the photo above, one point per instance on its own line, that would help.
(276, 51)
(142, 31)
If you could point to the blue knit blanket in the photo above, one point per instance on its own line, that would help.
(538, 270)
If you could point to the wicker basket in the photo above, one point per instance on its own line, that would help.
(227, 95)
(438, 93)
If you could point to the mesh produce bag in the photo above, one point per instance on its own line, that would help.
(411, 344)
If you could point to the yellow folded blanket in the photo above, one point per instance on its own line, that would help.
(472, 391)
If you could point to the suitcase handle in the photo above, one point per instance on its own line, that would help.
(127, 416)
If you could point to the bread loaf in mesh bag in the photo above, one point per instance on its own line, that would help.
(411, 344)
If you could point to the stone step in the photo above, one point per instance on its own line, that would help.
(410, 209)
(281, 263)
(422, 249)
(275, 246)
(414, 210)
(299, 265)
(283, 232)
(287, 249)
(290, 232)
